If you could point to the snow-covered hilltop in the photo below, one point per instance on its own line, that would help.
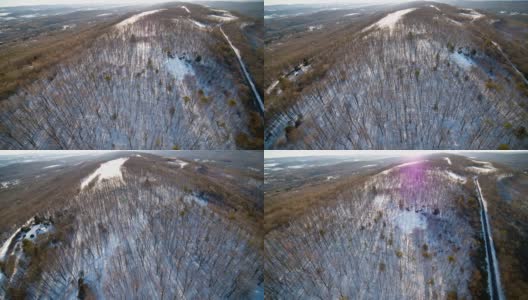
(139, 226)
(423, 77)
(158, 79)
(422, 229)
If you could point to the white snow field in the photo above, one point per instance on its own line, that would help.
(389, 21)
(137, 17)
(107, 170)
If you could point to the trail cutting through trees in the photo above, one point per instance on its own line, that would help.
(494, 285)
(260, 104)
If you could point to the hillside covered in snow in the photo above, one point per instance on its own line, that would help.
(421, 75)
(424, 227)
(160, 77)
(132, 225)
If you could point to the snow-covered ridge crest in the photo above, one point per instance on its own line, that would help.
(472, 14)
(390, 20)
(484, 168)
(136, 18)
(185, 8)
(107, 170)
(402, 165)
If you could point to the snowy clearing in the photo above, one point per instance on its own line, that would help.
(486, 167)
(461, 60)
(179, 68)
(200, 25)
(136, 18)
(368, 166)
(504, 176)
(381, 201)
(104, 15)
(408, 221)
(473, 15)
(66, 27)
(456, 177)
(297, 167)
(186, 9)
(270, 165)
(448, 160)
(328, 178)
(107, 170)
(313, 28)
(52, 166)
(352, 14)
(454, 22)
(225, 17)
(402, 165)
(438, 9)
(389, 21)
(192, 198)
(181, 163)
(8, 184)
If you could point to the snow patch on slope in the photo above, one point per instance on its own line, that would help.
(456, 177)
(186, 9)
(200, 25)
(463, 61)
(368, 166)
(473, 14)
(52, 166)
(432, 6)
(402, 165)
(390, 20)
(180, 163)
(192, 198)
(179, 68)
(408, 221)
(8, 184)
(485, 168)
(137, 17)
(107, 170)
(225, 17)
